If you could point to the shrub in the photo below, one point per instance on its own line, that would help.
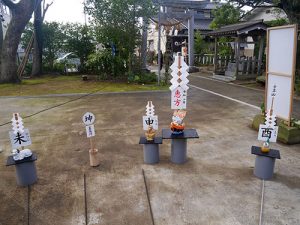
(105, 63)
(142, 78)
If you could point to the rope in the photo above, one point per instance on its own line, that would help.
(262, 202)
(148, 198)
(56, 106)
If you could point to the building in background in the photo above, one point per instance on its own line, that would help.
(266, 14)
(174, 30)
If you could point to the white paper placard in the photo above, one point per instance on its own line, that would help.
(17, 123)
(20, 139)
(281, 55)
(266, 132)
(178, 98)
(88, 118)
(150, 121)
(90, 130)
(281, 50)
(282, 103)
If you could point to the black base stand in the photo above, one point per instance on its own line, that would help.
(179, 144)
(151, 149)
(25, 169)
(264, 162)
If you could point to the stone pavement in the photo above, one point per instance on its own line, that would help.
(216, 186)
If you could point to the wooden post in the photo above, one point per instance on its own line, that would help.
(260, 55)
(249, 59)
(253, 65)
(215, 55)
(237, 56)
(191, 27)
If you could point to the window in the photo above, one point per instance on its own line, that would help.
(207, 14)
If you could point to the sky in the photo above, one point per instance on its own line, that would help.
(65, 11)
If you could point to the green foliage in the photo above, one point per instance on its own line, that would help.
(262, 108)
(225, 15)
(223, 48)
(79, 40)
(142, 78)
(277, 22)
(62, 38)
(201, 46)
(104, 63)
(116, 23)
(54, 39)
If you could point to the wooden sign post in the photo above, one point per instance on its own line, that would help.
(280, 70)
(88, 120)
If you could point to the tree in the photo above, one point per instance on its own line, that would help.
(290, 7)
(53, 43)
(39, 16)
(38, 41)
(225, 15)
(116, 23)
(201, 46)
(79, 40)
(21, 13)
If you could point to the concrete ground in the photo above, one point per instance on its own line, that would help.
(215, 187)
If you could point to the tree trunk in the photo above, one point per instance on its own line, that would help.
(1, 41)
(21, 13)
(38, 41)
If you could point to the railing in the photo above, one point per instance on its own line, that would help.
(205, 59)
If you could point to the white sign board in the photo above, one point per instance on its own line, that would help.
(150, 121)
(178, 98)
(179, 83)
(90, 130)
(88, 118)
(267, 132)
(19, 139)
(281, 55)
(282, 99)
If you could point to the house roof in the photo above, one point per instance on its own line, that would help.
(266, 13)
(188, 4)
(239, 28)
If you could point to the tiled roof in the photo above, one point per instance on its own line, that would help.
(238, 28)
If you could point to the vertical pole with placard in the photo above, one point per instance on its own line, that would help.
(89, 119)
(280, 69)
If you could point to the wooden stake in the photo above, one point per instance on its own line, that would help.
(92, 144)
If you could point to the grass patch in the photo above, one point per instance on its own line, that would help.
(70, 84)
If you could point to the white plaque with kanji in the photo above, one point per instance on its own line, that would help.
(88, 118)
(178, 98)
(179, 83)
(150, 121)
(20, 139)
(267, 132)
